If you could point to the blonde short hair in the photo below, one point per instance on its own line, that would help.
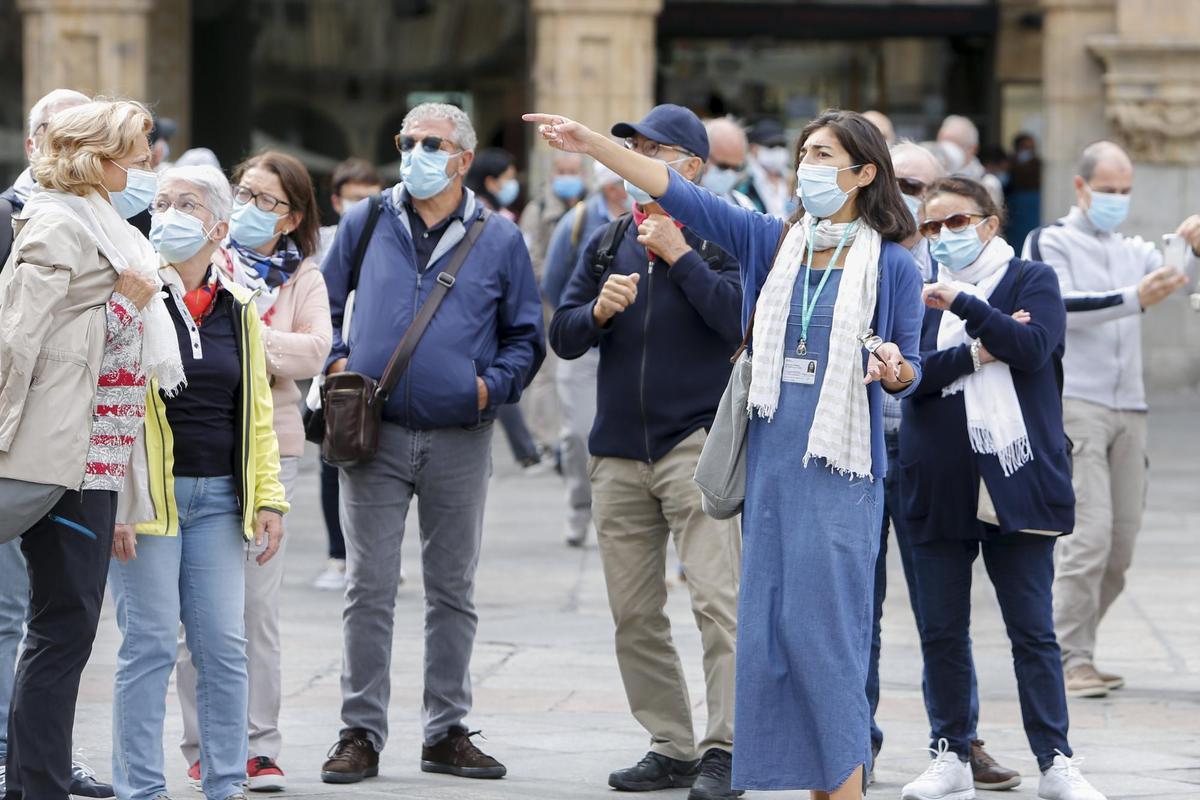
(78, 140)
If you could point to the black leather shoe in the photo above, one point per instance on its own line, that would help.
(653, 772)
(713, 782)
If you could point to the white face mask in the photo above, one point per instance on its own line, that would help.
(774, 160)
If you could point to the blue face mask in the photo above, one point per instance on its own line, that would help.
(914, 207)
(957, 251)
(638, 196)
(140, 187)
(567, 187)
(819, 191)
(177, 236)
(424, 173)
(1108, 210)
(720, 180)
(508, 192)
(252, 227)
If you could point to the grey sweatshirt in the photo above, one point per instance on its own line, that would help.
(1099, 274)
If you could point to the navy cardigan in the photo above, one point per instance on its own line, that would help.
(939, 473)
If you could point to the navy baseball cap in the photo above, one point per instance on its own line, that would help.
(669, 124)
(768, 133)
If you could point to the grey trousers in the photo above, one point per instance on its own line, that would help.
(448, 471)
(576, 380)
(264, 651)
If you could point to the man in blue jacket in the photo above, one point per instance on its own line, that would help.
(664, 308)
(481, 349)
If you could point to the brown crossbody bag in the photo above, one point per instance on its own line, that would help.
(353, 403)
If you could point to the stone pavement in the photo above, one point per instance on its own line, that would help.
(550, 700)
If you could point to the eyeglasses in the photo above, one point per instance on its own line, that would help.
(912, 187)
(184, 203)
(652, 148)
(430, 144)
(932, 228)
(731, 167)
(265, 202)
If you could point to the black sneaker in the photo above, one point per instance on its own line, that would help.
(713, 781)
(85, 784)
(457, 755)
(653, 772)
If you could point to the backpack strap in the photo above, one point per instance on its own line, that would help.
(374, 209)
(607, 250)
(577, 225)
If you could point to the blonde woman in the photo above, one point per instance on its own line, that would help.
(81, 330)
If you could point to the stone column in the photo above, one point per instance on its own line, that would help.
(593, 61)
(1073, 93)
(92, 46)
(169, 87)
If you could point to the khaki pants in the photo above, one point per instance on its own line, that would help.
(1110, 495)
(636, 507)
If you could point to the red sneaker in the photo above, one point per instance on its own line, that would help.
(264, 775)
(194, 779)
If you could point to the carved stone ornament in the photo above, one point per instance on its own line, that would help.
(1152, 97)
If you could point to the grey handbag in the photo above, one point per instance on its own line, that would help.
(24, 503)
(721, 470)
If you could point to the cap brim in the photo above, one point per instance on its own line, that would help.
(623, 130)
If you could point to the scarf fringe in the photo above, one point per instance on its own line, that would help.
(845, 472)
(1012, 456)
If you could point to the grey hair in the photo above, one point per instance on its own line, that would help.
(212, 183)
(464, 132)
(909, 147)
(966, 126)
(1096, 152)
(67, 98)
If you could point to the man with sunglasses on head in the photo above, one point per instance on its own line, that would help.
(916, 170)
(1107, 280)
(664, 308)
(479, 351)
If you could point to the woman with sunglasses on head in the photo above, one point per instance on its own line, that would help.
(273, 231)
(835, 303)
(205, 487)
(985, 469)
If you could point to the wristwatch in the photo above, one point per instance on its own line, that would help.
(975, 355)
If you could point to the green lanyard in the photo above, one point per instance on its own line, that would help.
(807, 309)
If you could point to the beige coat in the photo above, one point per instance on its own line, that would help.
(297, 342)
(53, 293)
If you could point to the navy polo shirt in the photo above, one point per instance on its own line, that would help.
(425, 239)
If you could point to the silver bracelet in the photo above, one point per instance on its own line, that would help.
(975, 355)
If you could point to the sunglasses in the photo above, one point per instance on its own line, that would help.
(932, 228)
(430, 144)
(912, 187)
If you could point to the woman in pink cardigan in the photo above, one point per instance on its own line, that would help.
(273, 231)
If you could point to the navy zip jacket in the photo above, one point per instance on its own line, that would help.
(939, 472)
(489, 325)
(664, 361)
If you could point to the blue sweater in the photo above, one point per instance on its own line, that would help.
(753, 237)
(664, 361)
(939, 473)
(489, 325)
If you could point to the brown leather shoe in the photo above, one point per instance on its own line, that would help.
(987, 773)
(351, 759)
(1084, 681)
(1113, 682)
(457, 755)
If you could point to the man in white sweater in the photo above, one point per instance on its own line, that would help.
(1107, 280)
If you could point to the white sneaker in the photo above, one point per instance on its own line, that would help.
(333, 579)
(948, 778)
(1063, 781)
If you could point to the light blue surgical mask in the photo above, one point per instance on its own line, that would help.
(252, 227)
(424, 173)
(567, 187)
(638, 196)
(1108, 210)
(140, 187)
(177, 236)
(819, 191)
(914, 207)
(720, 180)
(957, 251)
(508, 192)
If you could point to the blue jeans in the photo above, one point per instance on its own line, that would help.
(197, 578)
(14, 604)
(891, 501)
(1021, 568)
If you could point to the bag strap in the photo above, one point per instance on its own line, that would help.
(445, 281)
(787, 226)
(607, 250)
(374, 209)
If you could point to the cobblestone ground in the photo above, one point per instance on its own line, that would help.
(549, 697)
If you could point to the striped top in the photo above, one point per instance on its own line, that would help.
(120, 398)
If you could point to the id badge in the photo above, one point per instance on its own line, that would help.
(800, 370)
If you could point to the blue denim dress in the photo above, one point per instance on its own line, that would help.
(810, 538)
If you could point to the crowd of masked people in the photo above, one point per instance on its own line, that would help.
(893, 362)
